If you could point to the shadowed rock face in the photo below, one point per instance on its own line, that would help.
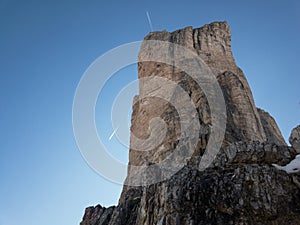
(271, 129)
(294, 139)
(240, 186)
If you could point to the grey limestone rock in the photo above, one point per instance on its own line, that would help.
(294, 138)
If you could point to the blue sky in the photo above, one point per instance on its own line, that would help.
(45, 47)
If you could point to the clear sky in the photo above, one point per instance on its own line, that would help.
(45, 47)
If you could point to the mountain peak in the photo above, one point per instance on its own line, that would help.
(239, 185)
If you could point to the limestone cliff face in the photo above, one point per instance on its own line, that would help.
(213, 44)
(240, 186)
(271, 129)
(294, 138)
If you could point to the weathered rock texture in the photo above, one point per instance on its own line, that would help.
(271, 129)
(240, 186)
(295, 138)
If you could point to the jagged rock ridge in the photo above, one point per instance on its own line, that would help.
(240, 186)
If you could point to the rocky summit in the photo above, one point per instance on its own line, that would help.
(239, 185)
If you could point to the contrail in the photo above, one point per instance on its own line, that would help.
(113, 133)
(149, 20)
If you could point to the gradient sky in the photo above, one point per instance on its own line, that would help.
(45, 47)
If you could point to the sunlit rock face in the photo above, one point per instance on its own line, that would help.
(240, 186)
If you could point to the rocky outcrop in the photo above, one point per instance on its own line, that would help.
(271, 129)
(294, 138)
(240, 186)
(97, 215)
